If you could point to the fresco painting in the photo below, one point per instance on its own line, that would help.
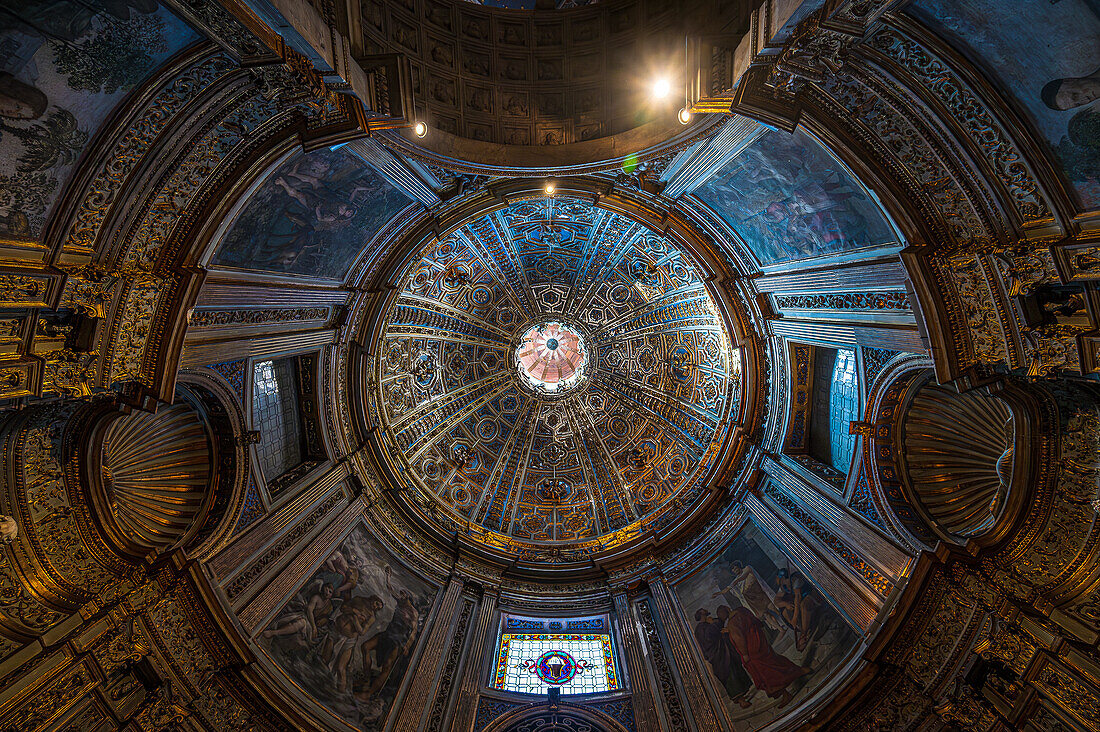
(348, 635)
(311, 216)
(767, 636)
(789, 199)
(64, 64)
(1045, 53)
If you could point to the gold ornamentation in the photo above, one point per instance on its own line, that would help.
(22, 290)
(128, 355)
(9, 529)
(69, 373)
(964, 274)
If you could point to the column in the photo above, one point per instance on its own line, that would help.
(645, 715)
(426, 667)
(706, 718)
(473, 671)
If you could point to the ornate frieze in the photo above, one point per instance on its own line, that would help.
(234, 373)
(844, 301)
(815, 527)
(140, 135)
(244, 580)
(450, 668)
(863, 503)
(266, 316)
(661, 669)
(982, 338)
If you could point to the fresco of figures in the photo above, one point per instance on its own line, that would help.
(348, 635)
(64, 64)
(789, 199)
(1056, 81)
(767, 636)
(311, 216)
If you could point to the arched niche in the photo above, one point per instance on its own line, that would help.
(952, 466)
(550, 717)
(161, 480)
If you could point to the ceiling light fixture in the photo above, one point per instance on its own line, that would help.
(684, 115)
(661, 88)
(550, 189)
(420, 129)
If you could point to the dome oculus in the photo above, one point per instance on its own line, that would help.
(551, 357)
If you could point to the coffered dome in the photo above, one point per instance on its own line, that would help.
(555, 373)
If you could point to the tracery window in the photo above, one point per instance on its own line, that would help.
(276, 414)
(835, 405)
(575, 655)
(843, 408)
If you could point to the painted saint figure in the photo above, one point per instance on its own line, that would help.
(723, 659)
(306, 624)
(355, 618)
(795, 601)
(750, 589)
(771, 672)
(395, 641)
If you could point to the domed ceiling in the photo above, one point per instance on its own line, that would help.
(555, 372)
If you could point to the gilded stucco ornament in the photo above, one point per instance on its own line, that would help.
(554, 380)
(9, 529)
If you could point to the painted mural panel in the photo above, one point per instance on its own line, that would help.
(1047, 54)
(768, 637)
(64, 64)
(789, 199)
(311, 216)
(347, 636)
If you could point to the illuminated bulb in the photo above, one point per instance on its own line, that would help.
(420, 129)
(684, 115)
(661, 88)
(550, 189)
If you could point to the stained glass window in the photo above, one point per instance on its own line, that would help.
(531, 663)
(572, 654)
(276, 415)
(843, 409)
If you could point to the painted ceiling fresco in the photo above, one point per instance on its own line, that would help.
(1056, 81)
(64, 65)
(789, 199)
(632, 441)
(768, 635)
(348, 635)
(311, 216)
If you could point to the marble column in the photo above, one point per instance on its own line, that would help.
(426, 666)
(699, 702)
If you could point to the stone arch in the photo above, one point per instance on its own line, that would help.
(547, 717)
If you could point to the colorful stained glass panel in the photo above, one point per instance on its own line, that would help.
(530, 663)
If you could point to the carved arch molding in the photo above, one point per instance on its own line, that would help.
(555, 718)
(996, 235)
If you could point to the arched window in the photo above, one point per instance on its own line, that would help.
(843, 409)
(276, 413)
(574, 655)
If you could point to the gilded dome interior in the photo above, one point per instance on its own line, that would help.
(624, 452)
